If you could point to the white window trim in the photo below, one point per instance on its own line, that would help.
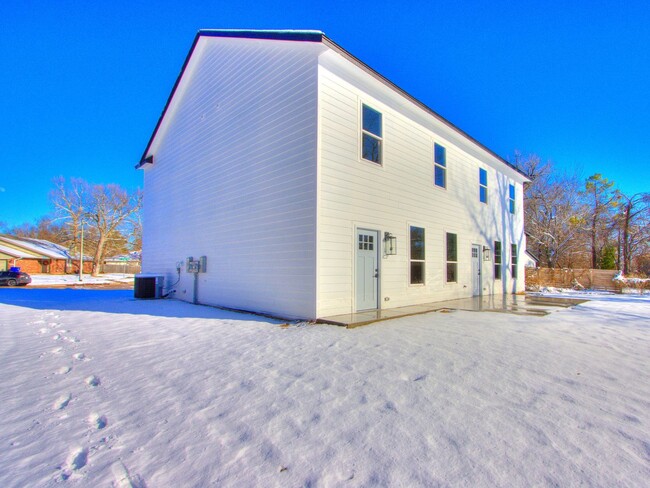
(444, 168)
(362, 131)
(514, 262)
(424, 271)
(446, 262)
(486, 186)
(500, 263)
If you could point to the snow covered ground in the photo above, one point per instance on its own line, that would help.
(39, 280)
(98, 389)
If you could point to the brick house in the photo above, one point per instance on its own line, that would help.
(38, 256)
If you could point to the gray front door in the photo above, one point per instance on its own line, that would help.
(476, 270)
(367, 276)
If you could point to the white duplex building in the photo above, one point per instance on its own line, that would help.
(312, 186)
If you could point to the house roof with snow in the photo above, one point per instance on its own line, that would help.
(306, 36)
(26, 247)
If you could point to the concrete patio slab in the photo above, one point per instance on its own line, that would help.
(514, 304)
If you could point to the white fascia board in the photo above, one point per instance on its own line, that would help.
(177, 96)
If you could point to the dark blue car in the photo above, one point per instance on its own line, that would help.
(13, 278)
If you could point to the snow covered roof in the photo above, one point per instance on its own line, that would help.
(305, 36)
(38, 248)
(532, 256)
(17, 253)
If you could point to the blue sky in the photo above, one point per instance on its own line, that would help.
(82, 83)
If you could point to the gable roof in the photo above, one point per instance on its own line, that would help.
(33, 248)
(11, 251)
(307, 36)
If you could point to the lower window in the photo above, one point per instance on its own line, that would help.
(417, 256)
(497, 260)
(513, 261)
(452, 258)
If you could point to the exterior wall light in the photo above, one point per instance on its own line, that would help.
(390, 244)
(486, 253)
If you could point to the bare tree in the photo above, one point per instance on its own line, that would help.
(553, 212)
(106, 209)
(69, 200)
(633, 222)
(45, 228)
(601, 201)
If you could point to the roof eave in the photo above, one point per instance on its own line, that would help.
(350, 57)
(310, 36)
(288, 35)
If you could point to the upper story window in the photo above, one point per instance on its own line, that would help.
(483, 185)
(452, 258)
(417, 255)
(511, 198)
(440, 166)
(371, 135)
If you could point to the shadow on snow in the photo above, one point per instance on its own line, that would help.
(116, 301)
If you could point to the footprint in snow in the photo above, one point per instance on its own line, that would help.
(53, 325)
(77, 459)
(63, 370)
(57, 350)
(123, 479)
(56, 337)
(62, 402)
(71, 339)
(97, 421)
(92, 380)
(43, 330)
(80, 356)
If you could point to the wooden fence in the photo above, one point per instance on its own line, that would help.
(126, 268)
(595, 279)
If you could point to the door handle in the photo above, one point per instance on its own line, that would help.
(376, 273)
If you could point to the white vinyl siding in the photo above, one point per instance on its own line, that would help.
(400, 191)
(258, 166)
(234, 177)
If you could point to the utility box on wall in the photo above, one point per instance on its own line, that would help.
(148, 286)
(196, 265)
